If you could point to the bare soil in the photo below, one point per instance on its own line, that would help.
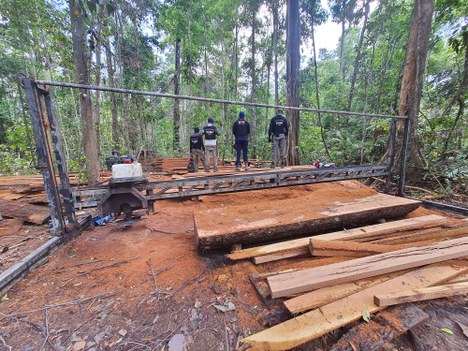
(147, 288)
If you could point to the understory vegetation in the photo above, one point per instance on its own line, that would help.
(236, 50)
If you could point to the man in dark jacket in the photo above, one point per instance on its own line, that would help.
(241, 131)
(197, 149)
(277, 134)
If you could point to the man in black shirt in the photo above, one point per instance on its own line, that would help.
(197, 150)
(277, 134)
(241, 131)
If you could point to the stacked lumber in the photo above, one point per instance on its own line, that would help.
(366, 278)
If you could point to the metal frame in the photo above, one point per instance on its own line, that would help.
(48, 138)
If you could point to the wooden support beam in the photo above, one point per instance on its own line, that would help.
(422, 294)
(308, 279)
(370, 231)
(318, 322)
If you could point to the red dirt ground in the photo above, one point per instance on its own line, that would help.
(134, 289)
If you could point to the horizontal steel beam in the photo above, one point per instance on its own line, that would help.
(180, 188)
(203, 99)
(272, 179)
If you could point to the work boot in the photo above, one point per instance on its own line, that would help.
(238, 168)
(282, 164)
(272, 165)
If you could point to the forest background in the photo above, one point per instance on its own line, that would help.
(236, 50)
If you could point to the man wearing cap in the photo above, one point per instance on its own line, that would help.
(241, 131)
(197, 149)
(211, 132)
(277, 134)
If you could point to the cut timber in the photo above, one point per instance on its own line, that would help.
(302, 251)
(422, 294)
(275, 220)
(308, 279)
(10, 226)
(351, 234)
(348, 248)
(323, 296)
(316, 323)
(434, 234)
(26, 212)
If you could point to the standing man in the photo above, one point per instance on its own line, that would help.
(211, 132)
(241, 131)
(197, 149)
(277, 134)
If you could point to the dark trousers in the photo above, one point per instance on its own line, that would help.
(242, 146)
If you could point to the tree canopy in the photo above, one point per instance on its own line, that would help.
(235, 50)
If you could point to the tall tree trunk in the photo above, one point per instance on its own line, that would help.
(115, 117)
(292, 79)
(317, 95)
(343, 29)
(357, 60)
(275, 47)
(254, 80)
(89, 139)
(412, 83)
(97, 103)
(176, 142)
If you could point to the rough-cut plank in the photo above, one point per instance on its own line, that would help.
(318, 322)
(323, 296)
(349, 246)
(308, 279)
(10, 226)
(267, 222)
(26, 212)
(385, 327)
(351, 234)
(430, 234)
(422, 294)
(302, 251)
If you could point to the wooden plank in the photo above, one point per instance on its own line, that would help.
(308, 279)
(302, 251)
(323, 296)
(272, 221)
(422, 294)
(351, 234)
(429, 234)
(10, 226)
(339, 245)
(318, 322)
(26, 212)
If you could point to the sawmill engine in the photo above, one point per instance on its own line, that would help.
(124, 193)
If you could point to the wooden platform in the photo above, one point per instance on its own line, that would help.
(289, 218)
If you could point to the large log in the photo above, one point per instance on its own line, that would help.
(318, 322)
(26, 212)
(275, 220)
(308, 279)
(356, 234)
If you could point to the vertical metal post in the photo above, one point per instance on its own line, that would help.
(404, 157)
(57, 145)
(44, 157)
(391, 154)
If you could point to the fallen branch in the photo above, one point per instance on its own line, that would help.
(64, 304)
(100, 268)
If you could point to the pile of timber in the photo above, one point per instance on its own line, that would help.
(380, 265)
(273, 221)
